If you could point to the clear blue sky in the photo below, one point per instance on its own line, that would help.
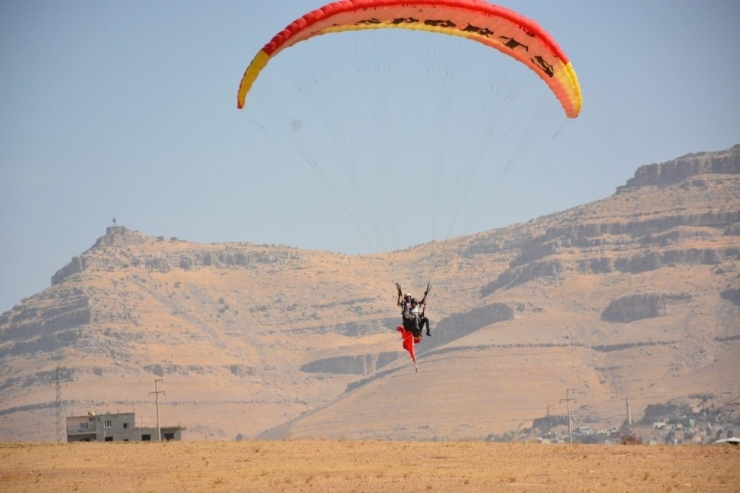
(127, 109)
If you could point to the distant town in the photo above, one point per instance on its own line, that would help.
(669, 423)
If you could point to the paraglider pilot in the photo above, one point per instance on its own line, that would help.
(414, 320)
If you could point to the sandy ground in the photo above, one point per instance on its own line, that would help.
(379, 466)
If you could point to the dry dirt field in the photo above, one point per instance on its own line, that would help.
(379, 466)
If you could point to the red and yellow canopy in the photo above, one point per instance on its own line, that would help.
(477, 20)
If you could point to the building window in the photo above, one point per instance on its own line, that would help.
(108, 439)
(125, 425)
(169, 436)
(107, 423)
(146, 438)
(83, 426)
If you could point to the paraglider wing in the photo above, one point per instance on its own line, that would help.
(477, 20)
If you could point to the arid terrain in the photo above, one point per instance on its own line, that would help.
(366, 466)
(636, 296)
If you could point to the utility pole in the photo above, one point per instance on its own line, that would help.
(629, 412)
(567, 406)
(156, 400)
(59, 408)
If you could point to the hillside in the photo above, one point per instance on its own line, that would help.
(636, 295)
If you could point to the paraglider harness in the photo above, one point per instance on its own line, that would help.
(412, 320)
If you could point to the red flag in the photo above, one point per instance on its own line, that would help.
(408, 342)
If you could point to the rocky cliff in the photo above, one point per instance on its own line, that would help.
(678, 170)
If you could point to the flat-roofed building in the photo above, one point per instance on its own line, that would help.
(115, 427)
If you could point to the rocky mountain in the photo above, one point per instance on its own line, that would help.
(636, 295)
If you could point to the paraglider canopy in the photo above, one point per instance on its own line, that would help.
(477, 20)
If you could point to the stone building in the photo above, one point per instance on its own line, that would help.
(116, 427)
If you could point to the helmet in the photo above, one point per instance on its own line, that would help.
(407, 295)
(414, 300)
